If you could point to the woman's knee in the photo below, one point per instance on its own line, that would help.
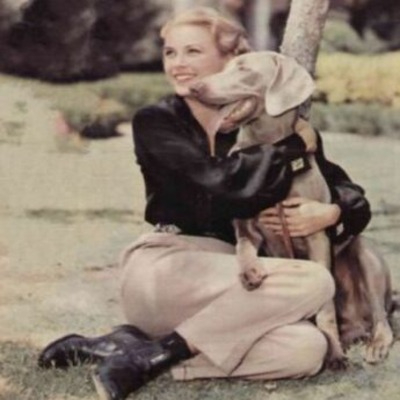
(317, 282)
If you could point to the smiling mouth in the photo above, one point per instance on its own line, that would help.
(183, 78)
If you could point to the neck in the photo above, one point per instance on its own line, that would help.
(205, 115)
(208, 117)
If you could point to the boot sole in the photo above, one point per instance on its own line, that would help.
(41, 361)
(101, 391)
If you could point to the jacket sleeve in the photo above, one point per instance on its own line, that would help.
(350, 197)
(247, 181)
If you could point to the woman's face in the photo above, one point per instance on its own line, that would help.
(190, 53)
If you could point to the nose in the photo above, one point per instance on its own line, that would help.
(198, 89)
(180, 60)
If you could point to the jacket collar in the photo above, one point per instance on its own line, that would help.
(224, 141)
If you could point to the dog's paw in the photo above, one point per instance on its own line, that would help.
(378, 348)
(252, 278)
(353, 335)
(336, 359)
(337, 363)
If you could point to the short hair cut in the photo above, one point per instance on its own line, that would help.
(230, 36)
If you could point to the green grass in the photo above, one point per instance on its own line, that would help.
(84, 103)
(25, 381)
(105, 103)
(358, 118)
(20, 379)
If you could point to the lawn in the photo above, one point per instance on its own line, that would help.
(68, 210)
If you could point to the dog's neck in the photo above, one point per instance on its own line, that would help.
(267, 129)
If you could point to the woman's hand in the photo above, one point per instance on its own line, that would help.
(307, 133)
(304, 216)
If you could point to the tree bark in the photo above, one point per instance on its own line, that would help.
(303, 35)
(303, 31)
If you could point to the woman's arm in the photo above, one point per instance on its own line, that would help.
(303, 216)
(246, 181)
(355, 212)
(347, 215)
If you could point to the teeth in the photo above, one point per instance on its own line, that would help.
(180, 78)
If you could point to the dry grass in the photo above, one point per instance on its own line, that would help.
(65, 216)
(22, 380)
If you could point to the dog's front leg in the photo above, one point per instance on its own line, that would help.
(319, 251)
(248, 242)
(327, 323)
(377, 280)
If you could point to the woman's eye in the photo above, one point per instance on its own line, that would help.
(168, 53)
(194, 51)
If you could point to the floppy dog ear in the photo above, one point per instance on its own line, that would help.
(290, 86)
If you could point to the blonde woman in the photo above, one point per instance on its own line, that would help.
(180, 293)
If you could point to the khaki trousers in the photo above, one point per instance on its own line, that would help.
(190, 285)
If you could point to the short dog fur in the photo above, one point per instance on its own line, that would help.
(261, 92)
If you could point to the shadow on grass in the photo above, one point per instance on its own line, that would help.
(72, 216)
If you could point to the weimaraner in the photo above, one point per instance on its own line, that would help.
(261, 92)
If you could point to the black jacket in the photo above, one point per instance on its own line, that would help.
(201, 194)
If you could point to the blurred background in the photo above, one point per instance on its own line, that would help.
(72, 74)
(113, 45)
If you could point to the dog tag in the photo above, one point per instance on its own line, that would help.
(299, 165)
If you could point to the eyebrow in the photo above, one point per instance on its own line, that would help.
(188, 45)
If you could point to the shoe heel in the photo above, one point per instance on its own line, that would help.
(101, 391)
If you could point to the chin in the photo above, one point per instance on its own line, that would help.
(181, 90)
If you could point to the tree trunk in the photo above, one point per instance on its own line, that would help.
(259, 24)
(303, 31)
(303, 34)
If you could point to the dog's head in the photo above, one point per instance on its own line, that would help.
(256, 82)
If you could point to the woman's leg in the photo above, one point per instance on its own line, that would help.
(190, 285)
(290, 351)
(168, 278)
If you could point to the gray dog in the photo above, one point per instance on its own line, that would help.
(261, 92)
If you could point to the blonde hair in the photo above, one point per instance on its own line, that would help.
(230, 37)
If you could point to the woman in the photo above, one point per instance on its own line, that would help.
(180, 282)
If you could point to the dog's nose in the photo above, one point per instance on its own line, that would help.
(198, 88)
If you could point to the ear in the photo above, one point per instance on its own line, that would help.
(227, 40)
(290, 86)
(230, 38)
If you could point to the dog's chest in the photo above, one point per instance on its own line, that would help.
(311, 184)
(266, 129)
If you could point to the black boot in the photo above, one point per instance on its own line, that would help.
(76, 349)
(121, 374)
